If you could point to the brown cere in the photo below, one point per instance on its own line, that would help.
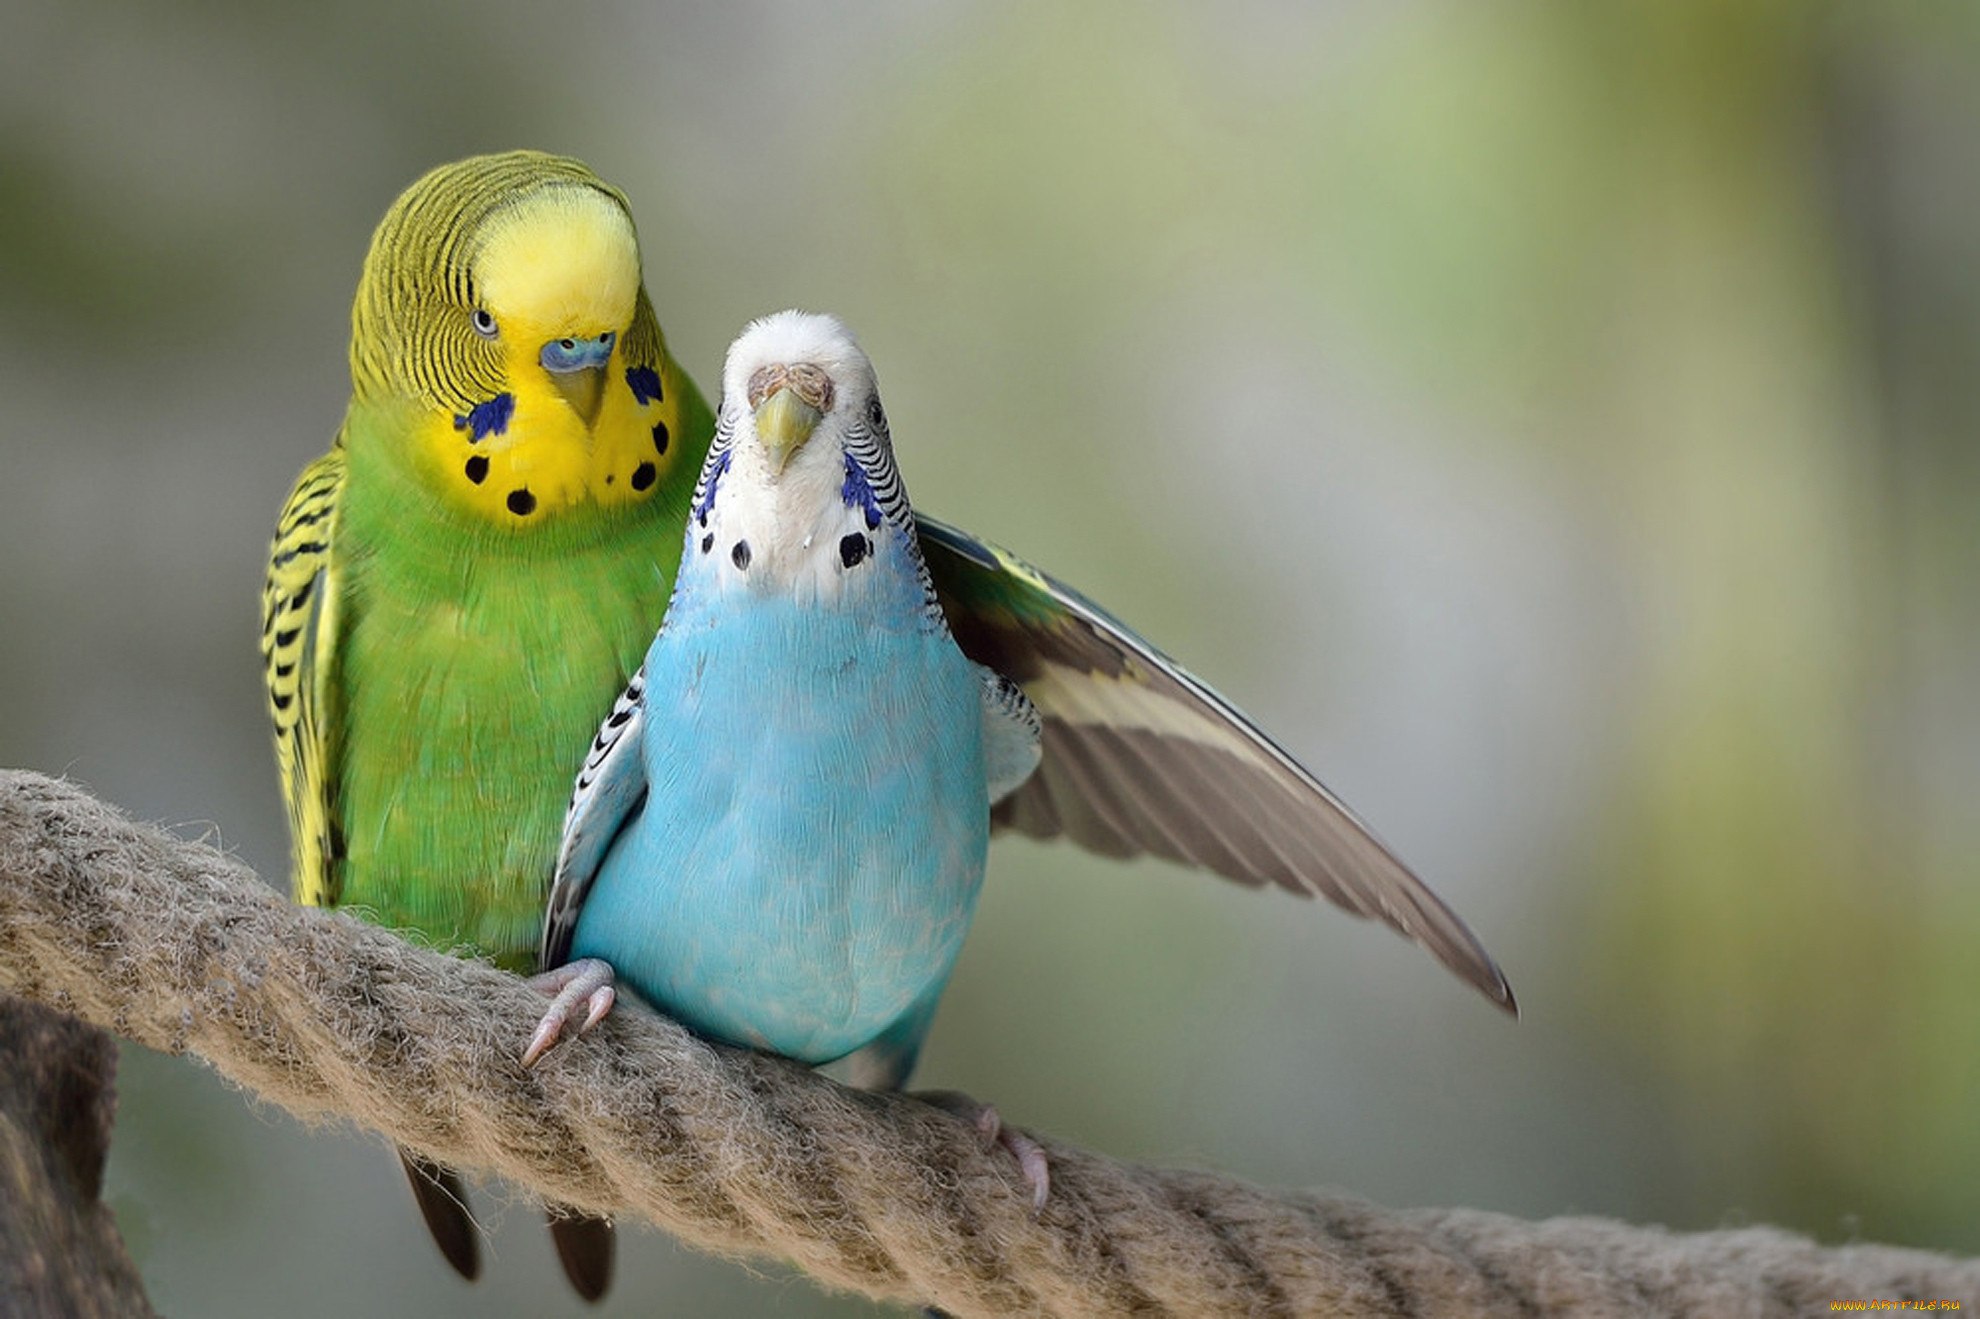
(808, 382)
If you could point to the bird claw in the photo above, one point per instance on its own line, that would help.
(587, 981)
(1030, 1155)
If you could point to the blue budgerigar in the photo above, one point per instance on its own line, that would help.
(780, 833)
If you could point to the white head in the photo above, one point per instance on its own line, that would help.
(800, 488)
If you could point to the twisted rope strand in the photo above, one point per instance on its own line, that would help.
(180, 948)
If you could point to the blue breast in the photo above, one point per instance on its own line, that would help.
(807, 860)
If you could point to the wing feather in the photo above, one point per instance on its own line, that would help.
(610, 787)
(1141, 757)
(1010, 734)
(299, 620)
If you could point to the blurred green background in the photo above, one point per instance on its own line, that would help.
(1554, 421)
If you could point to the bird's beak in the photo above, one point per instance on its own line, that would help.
(577, 369)
(783, 423)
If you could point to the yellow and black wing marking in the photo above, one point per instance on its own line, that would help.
(1142, 757)
(298, 655)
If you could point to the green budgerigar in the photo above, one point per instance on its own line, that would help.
(462, 585)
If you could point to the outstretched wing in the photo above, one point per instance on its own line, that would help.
(609, 789)
(299, 619)
(1139, 757)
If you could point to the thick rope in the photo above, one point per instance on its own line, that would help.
(178, 947)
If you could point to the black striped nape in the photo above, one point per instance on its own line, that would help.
(871, 452)
(409, 328)
(712, 467)
(868, 448)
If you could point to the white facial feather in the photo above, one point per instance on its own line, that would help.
(798, 336)
(792, 522)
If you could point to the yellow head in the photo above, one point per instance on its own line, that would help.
(502, 298)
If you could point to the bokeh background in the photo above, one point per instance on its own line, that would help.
(1554, 421)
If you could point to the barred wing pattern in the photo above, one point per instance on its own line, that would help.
(610, 787)
(299, 619)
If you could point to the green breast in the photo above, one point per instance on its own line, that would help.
(476, 663)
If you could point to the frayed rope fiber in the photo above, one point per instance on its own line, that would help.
(180, 948)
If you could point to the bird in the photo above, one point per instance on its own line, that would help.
(780, 833)
(458, 587)
(461, 586)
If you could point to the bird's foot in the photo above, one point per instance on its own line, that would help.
(587, 981)
(1030, 1155)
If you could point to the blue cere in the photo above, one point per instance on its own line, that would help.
(563, 356)
(485, 419)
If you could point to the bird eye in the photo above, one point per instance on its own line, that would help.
(484, 323)
(875, 414)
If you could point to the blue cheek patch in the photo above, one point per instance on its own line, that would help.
(857, 492)
(485, 419)
(714, 480)
(645, 383)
